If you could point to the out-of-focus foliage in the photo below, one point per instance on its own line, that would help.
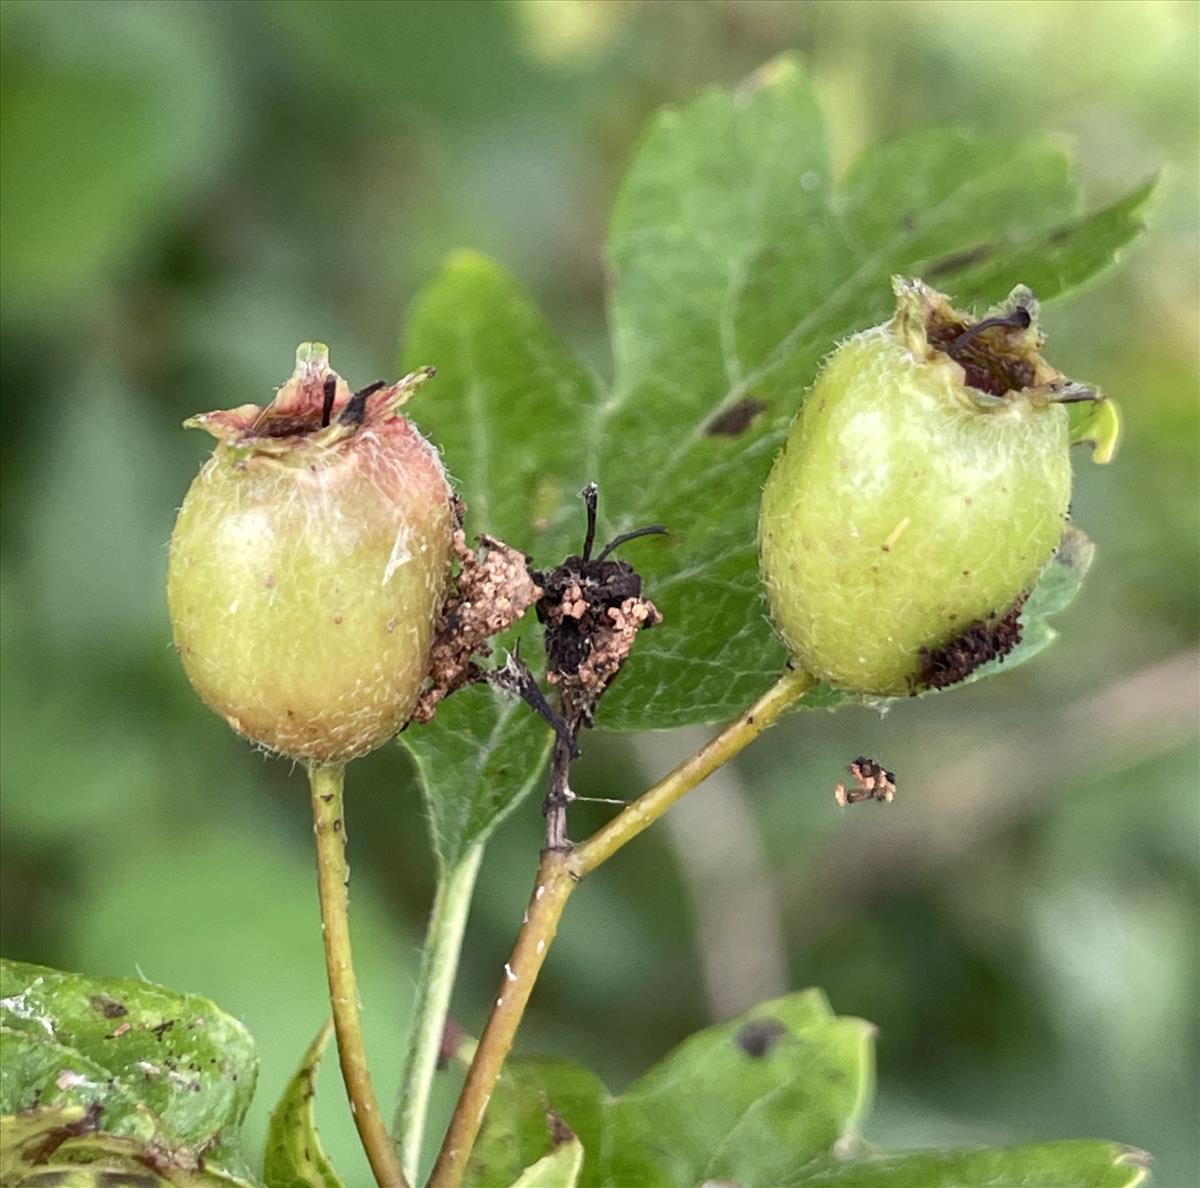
(774, 1097)
(121, 1074)
(190, 190)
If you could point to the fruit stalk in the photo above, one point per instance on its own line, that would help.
(559, 873)
(326, 783)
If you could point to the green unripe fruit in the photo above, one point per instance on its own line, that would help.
(309, 563)
(923, 487)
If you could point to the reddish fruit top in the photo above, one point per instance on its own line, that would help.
(309, 563)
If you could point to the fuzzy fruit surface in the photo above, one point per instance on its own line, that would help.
(308, 566)
(906, 504)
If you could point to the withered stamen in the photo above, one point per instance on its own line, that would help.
(1019, 319)
(591, 495)
(356, 409)
(626, 537)
(327, 403)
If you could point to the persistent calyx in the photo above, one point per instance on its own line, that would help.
(1000, 353)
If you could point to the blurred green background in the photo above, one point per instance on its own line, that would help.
(190, 189)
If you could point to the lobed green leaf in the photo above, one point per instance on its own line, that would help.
(738, 262)
(772, 1099)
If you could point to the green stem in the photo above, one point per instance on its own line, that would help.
(559, 873)
(326, 782)
(439, 964)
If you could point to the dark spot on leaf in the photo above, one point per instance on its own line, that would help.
(110, 1008)
(735, 419)
(40, 1152)
(162, 1028)
(959, 260)
(987, 639)
(759, 1036)
(560, 1132)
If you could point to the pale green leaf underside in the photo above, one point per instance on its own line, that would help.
(294, 1156)
(749, 1097)
(738, 264)
(517, 1129)
(151, 1067)
(559, 1169)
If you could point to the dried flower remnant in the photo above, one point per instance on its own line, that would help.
(592, 609)
(492, 590)
(988, 639)
(872, 782)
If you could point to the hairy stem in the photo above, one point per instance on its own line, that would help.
(551, 890)
(326, 783)
(439, 964)
(559, 873)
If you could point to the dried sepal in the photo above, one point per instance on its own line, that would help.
(491, 591)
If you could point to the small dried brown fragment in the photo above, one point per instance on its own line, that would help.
(873, 780)
(492, 591)
(613, 641)
(988, 639)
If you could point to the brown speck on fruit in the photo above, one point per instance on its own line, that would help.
(873, 782)
(896, 533)
(987, 639)
(390, 625)
(736, 419)
(269, 581)
(337, 620)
